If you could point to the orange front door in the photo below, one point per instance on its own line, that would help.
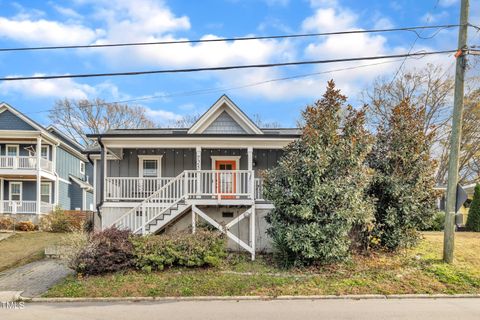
(226, 181)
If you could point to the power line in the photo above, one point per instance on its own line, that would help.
(288, 36)
(418, 36)
(250, 66)
(223, 89)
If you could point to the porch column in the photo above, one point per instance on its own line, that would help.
(250, 168)
(250, 158)
(104, 171)
(252, 231)
(198, 166)
(39, 177)
(1, 194)
(57, 181)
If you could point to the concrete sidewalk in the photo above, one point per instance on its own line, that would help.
(411, 309)
(34, 278)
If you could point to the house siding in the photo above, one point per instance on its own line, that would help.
(174, 162)
(224, 124)
(9, 121)
(68, 164)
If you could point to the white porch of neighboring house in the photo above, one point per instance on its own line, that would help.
(27, 177)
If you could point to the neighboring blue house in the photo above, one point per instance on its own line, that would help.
(31, 182)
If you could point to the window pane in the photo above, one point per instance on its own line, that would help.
(15, 197)
(45, 198)
(44, 153)
(11, 151)
(15, 188)
(150, 168)
(45, 189)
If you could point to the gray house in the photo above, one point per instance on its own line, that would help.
(166, 180)
(40, 168)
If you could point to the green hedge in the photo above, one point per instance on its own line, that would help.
(204, 248)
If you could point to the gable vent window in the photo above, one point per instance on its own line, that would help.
(227, 214)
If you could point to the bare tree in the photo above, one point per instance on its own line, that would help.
(431, 89)
(257, 118)
(185, 121)
(470, 144)
(78, 118)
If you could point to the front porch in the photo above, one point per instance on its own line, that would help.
(202, 186)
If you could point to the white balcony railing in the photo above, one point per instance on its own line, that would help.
(24, 207)
(220, 184)
(126, 188)
(24, 163)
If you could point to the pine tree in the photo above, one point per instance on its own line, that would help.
(404, 177)
(473, 219)
(318, 187)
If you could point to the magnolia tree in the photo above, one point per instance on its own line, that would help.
(403, 177)
(319, 185)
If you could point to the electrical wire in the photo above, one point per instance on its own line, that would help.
(288, 36)
(221, 68)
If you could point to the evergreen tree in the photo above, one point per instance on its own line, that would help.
(318, 187)
(473, 219)
(404, 177)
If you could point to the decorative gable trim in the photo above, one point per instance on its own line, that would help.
(224, 104)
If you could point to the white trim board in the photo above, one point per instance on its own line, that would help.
(226, 158)
(158, 158)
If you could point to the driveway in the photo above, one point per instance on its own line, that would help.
(34, 278)
(411, 309)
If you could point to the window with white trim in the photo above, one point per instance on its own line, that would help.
(82, 167)
(150, 166)
(12, 150)
(15, 193)
(44, 152)
(46, 192)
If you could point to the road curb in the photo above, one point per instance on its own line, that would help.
(250, 298)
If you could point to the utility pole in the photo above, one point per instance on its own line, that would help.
(456, 135)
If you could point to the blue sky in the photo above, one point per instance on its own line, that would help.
(31, 23)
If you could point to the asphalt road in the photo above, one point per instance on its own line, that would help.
(424, 309)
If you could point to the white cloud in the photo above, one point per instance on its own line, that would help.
(58, 89)
(447, 3)
(434, 17)
(162, 116)
(46, 32)
(67, 12)
(328, 19)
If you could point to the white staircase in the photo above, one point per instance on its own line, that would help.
(156, 211)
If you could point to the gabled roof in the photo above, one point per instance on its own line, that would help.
(5, 106)
(224, 104)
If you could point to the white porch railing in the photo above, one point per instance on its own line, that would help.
(259, 189)
(222, 184)
(24, 162)
(24, 207)
(197, 184)
(123, 188)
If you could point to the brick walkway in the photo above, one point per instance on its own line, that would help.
(34, 278)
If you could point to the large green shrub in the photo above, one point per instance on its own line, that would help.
(156, 252)
(318, 187)
(436, 223)
(473, 219)
(106, 251)
(404, 177)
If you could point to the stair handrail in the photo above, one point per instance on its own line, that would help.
(133, 211)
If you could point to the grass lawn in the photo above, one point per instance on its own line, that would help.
(25, 247)
(418, 270)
